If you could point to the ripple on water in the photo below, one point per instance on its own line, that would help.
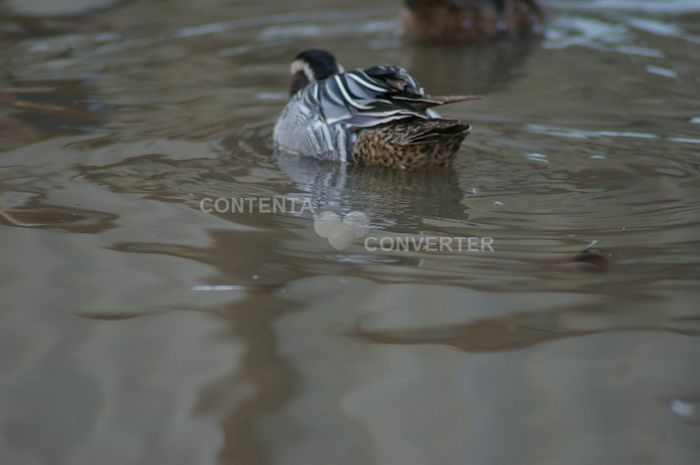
(114, 124)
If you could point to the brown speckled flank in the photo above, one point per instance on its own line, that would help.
(440, 21)
(410, 144)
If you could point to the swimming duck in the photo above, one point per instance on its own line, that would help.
(377, 116)
(470, 20)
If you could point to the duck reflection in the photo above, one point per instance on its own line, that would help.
(477, 69)
(395, 199)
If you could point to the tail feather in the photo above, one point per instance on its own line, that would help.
(430, 101)
(433, 130)
(410, 144)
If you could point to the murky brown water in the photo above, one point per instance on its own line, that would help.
(136, 329)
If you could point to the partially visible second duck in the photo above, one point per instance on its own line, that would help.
(377, 116)
(461, 21)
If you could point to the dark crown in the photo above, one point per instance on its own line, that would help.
(322, 63)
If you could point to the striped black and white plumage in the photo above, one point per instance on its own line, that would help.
(327, 113)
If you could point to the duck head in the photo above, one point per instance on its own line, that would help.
(311, 66)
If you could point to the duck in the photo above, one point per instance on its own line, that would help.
(468, 21)
(379, 116)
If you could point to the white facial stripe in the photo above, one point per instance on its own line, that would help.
(302, 66)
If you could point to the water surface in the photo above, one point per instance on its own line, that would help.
(137, 329)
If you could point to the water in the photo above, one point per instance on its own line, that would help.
(137, 329)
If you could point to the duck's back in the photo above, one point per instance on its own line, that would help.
(324, 118)
(466, 21)
(382, 107)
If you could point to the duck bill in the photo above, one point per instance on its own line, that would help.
(298, 82)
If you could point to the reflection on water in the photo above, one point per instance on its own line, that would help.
(393, 199)
(138, 329)
(485, 69)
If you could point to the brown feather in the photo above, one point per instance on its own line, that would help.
(440, 21)
(410, 144)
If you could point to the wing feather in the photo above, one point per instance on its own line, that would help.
(365, 98)
(321, 118)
